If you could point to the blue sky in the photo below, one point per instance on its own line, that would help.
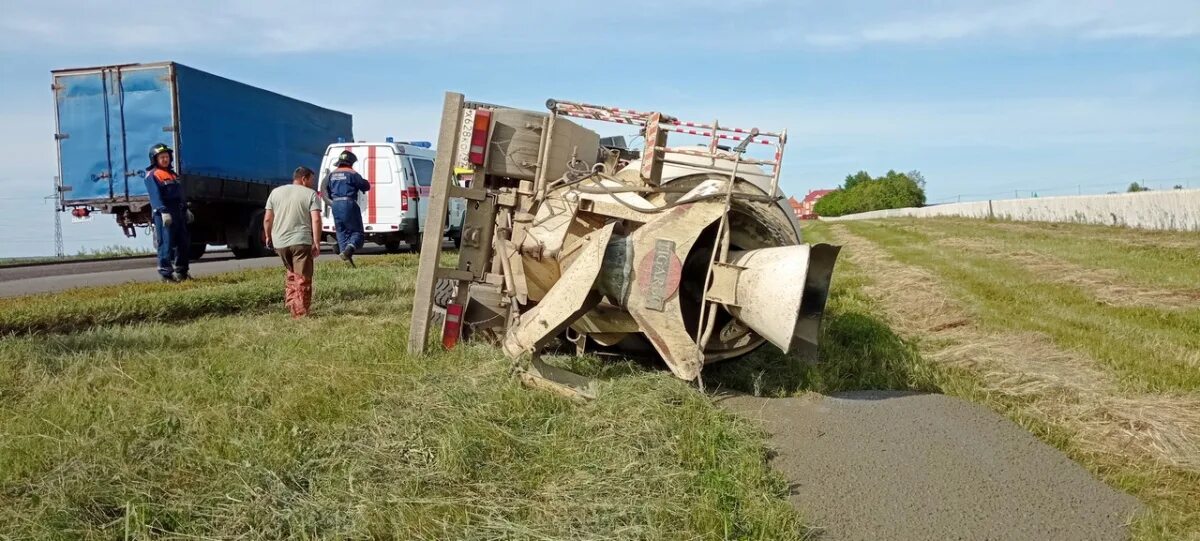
(987, 99)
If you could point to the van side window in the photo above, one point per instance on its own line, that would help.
(424, 171)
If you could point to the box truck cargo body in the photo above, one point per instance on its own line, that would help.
(233, 143)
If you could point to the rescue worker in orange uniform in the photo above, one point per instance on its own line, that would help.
(169, 204)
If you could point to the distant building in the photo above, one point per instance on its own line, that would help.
(804, 209)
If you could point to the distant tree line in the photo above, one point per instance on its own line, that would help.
(862, 193)
(1136, 187)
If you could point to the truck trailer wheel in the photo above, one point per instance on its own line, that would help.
(254, 246)
(196, 251)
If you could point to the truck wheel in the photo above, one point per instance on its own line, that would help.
(392, 246)
(254, 241)
(443, 294)
(196, 251)
(254, 248)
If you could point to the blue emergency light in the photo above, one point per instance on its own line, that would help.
(390, 139)
(421, 144)
(341, 139)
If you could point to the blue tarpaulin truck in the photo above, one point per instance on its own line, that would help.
(233, 143)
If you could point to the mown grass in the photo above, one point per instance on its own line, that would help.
(1146, 348)
(1154, 258)
(203, 411)
(1151, 349)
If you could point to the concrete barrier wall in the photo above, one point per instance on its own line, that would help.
(1177, 210)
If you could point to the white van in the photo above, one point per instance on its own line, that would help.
(394, 210)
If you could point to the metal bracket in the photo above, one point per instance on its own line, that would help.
(454, 274)
(468, 193)
(724, 284)
(560, 381)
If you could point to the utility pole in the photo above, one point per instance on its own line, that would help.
(58, 239)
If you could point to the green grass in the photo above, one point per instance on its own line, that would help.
(1151, 349)
(97, 253)
(1153, 258)
(203, 411)
(1140, 346)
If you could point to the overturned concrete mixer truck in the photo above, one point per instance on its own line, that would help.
(687, 253)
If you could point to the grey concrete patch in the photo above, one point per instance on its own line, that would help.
(889, 465)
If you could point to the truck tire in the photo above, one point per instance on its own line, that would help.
(254, 240)
(392, 246)
(443, 294)
(196, 251)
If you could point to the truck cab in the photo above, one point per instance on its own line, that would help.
(394, 210)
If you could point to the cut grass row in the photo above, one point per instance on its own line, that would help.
(1151, 349)
(1152, 258)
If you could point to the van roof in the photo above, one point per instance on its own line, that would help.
(400, 148)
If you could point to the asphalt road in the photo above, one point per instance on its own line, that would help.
(887, 465)
(17, 281)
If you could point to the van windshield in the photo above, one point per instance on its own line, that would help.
(423, 169)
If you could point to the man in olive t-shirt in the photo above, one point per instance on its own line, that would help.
(292, 224)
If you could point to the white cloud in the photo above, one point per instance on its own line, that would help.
(278, 26)
(1159, 19)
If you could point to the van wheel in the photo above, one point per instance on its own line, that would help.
(392, 246)
(196, 251)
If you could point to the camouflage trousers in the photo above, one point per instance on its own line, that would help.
(298, 293)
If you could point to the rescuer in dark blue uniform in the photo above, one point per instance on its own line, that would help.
(169, 203)
(342, 188)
